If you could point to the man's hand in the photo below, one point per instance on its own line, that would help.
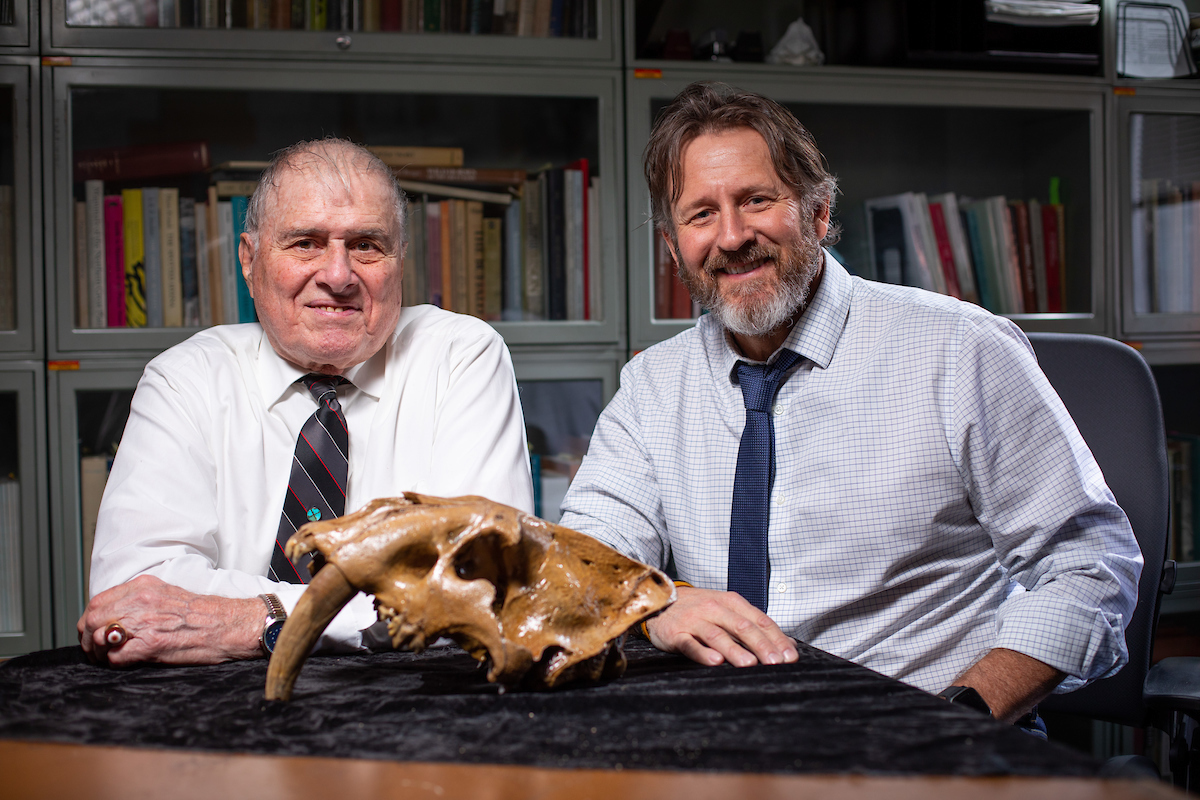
(1011, 683)
(169, 625)
(712, 627)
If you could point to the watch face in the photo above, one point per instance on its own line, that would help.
(271, 635)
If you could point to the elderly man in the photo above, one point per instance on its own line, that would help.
(338, 396)
(877, 470)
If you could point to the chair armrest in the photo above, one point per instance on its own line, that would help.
(1173, 683)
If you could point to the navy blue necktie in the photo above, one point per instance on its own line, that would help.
(750, 517)
(317, 485)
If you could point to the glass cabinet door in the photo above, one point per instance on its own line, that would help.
(512, 175)
(561, 398)
(20, 295)
(990, 193)
(1159, 143)
(90, 405)
(14, 23)
(576, 31)
(24, 551)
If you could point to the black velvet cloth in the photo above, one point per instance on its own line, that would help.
(820, 715)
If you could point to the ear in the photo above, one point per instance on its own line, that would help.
(246, 256)
(821, 220)
(670, 247)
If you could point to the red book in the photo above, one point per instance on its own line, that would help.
(681, 300)
(1050, 239)
(664, 267)
(1023, 241)
(945, 251)
(114, 260)
(582, 166)
(141, 161)
(390, 15)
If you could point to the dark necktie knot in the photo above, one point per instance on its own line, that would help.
(760, 382)
(320, 386)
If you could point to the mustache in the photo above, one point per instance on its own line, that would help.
(751, 251)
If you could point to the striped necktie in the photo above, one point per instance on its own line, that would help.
(750, 516)
(317, 486)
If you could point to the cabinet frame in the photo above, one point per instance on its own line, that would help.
(25, 339)
(21, 34)
(25, 379)
(1153, 99)
(602, 86)
(867, 87)
(604, 50)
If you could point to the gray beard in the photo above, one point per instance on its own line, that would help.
(796, 275)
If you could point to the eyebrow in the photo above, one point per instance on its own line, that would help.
(316, 233)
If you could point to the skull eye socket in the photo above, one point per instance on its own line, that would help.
(417, 560)
(483, 559)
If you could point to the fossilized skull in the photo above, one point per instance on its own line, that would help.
(541, 603)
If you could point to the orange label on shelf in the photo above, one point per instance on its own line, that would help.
(61, 366)
(56, 61)
(647, 73)
(1124, 91)
(1135, 345)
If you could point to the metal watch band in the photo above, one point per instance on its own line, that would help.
(275, 609)
(276, 614)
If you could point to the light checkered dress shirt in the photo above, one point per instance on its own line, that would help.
(932, 497)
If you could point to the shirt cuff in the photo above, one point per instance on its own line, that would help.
(1086, 643)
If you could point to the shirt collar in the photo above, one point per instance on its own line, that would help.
(278, 374)
(815, 335)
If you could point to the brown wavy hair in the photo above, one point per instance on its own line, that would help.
(711, 107)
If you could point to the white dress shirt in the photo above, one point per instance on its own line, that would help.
(197, 486)
(932, 497)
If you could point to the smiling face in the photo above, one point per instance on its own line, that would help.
(747, 246)
(325, 271)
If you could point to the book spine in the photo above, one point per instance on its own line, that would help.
(216, 270)
(476, 279)
(945, 252)
(556, 255)
(492, 260)
(975, 239)
(1037, 247)
(447, 256)
(229, 264)
(416, 249)
(204, 316)
(595, 270)
(408, 274)
(511, 267)
(534, 238)
(245, 303)
(1024, 248)
(573, 248)
(460, 258)
(141, 161)
(172, 267)
(152, 256)
(114, 260)
(135, 263)
(97, 279)
(81, 267)
(188, 277)
(433, 251)
(664, 266)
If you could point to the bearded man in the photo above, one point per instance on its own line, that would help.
(876, 470)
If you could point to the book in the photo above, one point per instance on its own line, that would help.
(458, 192)
(81, 274)
(169, 250)
(466, 175)
(114, 260)
(446, 235)
(534, 249)
(512, 268)
(216, 266)
(473, 240)
(391, 15)
(664, 268)
(93, 476)
(230, 189)
(152, 256)
(1023, 245)
(315, 17)
(1037, 248)
(400, 156)
(594, 269)
(97, 273)
(414, 261)
(1007, 268)
(141, 161)
(1052, 251)
(433, 252)
(977, 221)
(371, 16)
(203, 268)
(963, 266)
(923, 228)
(135, 264)
(574, 248)
(492, 259)
(230, 278)
(556, 245)
(189, 285)
(461, 259)
(245, 303)
(941, 234)
(681, 300)
(896, 243)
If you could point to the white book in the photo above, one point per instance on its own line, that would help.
(172, 279)
(595, 268)
(229, 262)
(928, 242)
(1005, 249)
(152, 254)
(203, 288)
(93, 192)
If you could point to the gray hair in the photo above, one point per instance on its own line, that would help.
(334, 153)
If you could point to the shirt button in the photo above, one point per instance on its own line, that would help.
(782, 588)
(781, 500)
(778, 409)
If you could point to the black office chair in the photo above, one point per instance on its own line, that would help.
(1111, 394)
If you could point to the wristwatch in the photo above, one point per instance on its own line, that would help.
(276, 615)
(965, 696)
